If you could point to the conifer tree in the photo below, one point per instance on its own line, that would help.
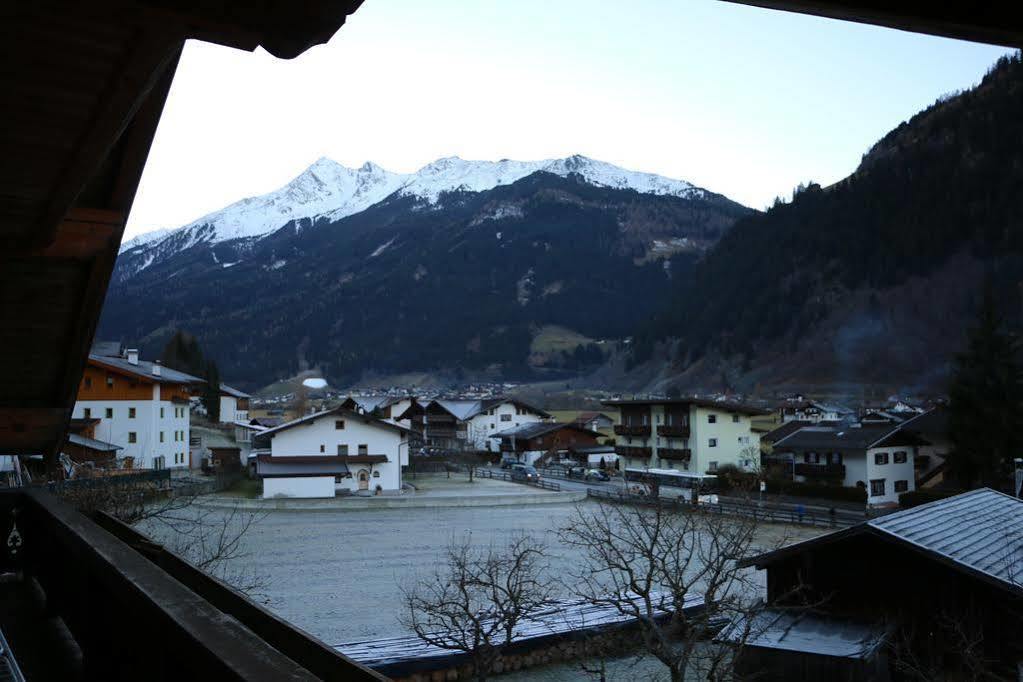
(986, 402)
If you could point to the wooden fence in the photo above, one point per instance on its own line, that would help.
(506, 476)
(770, 513)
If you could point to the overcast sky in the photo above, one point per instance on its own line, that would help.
(739, 100)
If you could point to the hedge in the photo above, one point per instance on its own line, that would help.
(917, 497)
(830, 492)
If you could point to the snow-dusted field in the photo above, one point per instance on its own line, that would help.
(335, 574)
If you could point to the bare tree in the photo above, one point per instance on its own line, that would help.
(654, 565)
(212, 539)
(477, 601)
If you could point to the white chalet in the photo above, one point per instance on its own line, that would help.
(234, 405)
(453, 423)
(878, 458)
(338, 449)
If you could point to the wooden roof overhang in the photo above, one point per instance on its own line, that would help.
(999, 23)
(83, 87)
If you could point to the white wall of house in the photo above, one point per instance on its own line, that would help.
(728, 439)
(299, 486)
(140, 436)
(322, 436)
(481, 427)
(890, 473)
(228, 409)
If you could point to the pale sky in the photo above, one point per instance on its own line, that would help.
(739, 100)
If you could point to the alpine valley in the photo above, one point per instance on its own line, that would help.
(510, 269)
(517, 269)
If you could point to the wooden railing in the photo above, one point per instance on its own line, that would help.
(632, 451)
(673, 430)
(99, 577)
(682, 454)
(632, 429)
(819, 470)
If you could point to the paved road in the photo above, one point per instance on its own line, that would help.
(576, 484)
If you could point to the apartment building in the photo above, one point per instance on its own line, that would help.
(141, 407)
(686, 434)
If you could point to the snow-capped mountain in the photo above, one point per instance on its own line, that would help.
(334, 191)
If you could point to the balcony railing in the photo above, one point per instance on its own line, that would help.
(819, 470)
(673, 430)
(99, 575)
(682, 454)
(632, 451)
(632, 429)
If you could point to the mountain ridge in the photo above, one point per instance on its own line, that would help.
(332, 191)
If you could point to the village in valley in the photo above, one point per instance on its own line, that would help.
(366, 340)
(868, 473)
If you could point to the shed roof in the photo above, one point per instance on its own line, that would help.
(276, 467)
(805, 632)
(536, 429)
(979, 532)
(92, 443)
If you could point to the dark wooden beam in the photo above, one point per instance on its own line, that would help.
(995, 23)
(141, 68)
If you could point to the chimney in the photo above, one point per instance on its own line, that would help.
(157, 369)
(133, 356)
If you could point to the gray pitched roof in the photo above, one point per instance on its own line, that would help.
(837, 437)
(92, 443)
(805, 632)
(534, 429)
(339, 411)
(224, 388)
(145, 370)
(979, 532)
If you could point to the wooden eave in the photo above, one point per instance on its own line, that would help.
(84, 84)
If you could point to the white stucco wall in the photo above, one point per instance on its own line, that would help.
(480, 428)
(890, 473)
(228, 409)
(147, 426)
(736, 441)
(307, 439)
(308, 486)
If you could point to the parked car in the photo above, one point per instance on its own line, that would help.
(508, 463)
(577, 472)
(597, 475)
(522, 472)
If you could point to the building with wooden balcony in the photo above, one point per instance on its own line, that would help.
(330, 451)
(878, 458)
(530, 442)
(140, 406)
(686, 434)
(469, 424)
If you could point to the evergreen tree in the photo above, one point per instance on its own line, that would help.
(211, 393)
(182, 353)
(986, 402)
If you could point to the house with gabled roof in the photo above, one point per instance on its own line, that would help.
(470, 423)
(529, 442)
(337, 450)
(932, 586)
(142, 406)
(878, 458)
